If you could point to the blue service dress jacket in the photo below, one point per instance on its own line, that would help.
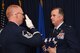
(67, 39)
(16, 39)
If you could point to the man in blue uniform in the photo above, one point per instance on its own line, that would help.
(65, 39)
(16, 39)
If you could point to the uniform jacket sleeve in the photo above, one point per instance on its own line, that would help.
(35, 40)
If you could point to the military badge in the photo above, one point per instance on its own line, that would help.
(27, 34)
(61, 35)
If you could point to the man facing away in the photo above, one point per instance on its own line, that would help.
(14, 38)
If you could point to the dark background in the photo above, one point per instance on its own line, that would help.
(31, 7)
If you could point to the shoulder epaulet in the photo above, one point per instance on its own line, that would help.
(68, 27)
(1, 30)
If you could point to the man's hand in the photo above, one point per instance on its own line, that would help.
(44, 48)
(51, 50)
(28, 22)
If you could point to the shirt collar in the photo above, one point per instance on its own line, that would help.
(59, 25)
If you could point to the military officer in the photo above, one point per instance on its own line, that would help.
(14, 38)
(66, 39)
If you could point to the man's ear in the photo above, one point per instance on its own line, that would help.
(61, 17)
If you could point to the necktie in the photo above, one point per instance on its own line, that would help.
(55, 32)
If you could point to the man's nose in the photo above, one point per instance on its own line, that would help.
(51, 17)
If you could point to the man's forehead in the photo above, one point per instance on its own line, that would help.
(55, 11)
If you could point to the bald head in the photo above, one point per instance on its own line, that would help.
(12, 9)
(14, 14)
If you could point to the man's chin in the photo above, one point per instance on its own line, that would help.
(53, 22)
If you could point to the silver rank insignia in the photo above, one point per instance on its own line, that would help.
(27, 34)
(1, 30)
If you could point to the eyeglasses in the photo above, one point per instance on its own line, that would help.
(19, 13)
